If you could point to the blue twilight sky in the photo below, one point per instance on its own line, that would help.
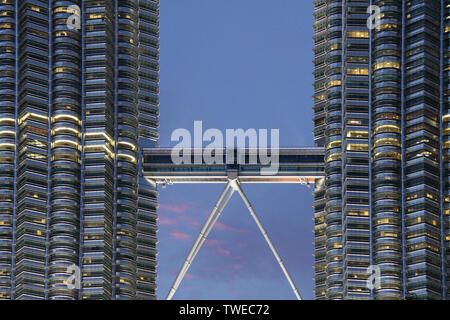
(237, 64)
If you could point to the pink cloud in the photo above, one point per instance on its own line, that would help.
(193, 222)
(190, 276)
(166, 221)
(223, 252)
(179, 235)
(213, 242)
(174, 208)
(178, 214)
(217, 246)
(223, 227)
(186, 219)
(177, 220)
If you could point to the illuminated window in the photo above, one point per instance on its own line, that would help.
(357, 147)
(386, 64)
(388, 26)
(358, 213)
(358, 71)
(357, 134)
(387, 141)
(334, 144)
(383, 221)
(358, 34)
(60, 10)
(334, 157)
(334, 46)
(356, 122)
(320, 97)
(333, 83)
(387, 128)
(62, 34)
(388, 154)
(96, 16)
(388, 234)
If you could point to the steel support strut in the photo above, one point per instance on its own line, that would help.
(237, 187)
(209, 224)
(232, 186)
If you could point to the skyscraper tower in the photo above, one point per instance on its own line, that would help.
(78, 102)
(382, 111)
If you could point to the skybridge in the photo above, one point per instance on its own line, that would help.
(295, 165)
(233, 167)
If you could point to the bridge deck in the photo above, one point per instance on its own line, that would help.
(295, 165)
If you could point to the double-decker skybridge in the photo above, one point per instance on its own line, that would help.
(234, 167)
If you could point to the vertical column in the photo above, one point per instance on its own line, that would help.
(148, 113)
(32, 150)
(65, 151)
(442, 156)
(446, 142)
(126, 151)
(355, 151)
(328, 133)
(386, 149)
(321, 51)
(8, 95)
(422, 170)
(332, 82)
(98, 150)
(319, 240)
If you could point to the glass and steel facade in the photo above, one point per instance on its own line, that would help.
(77, 106)
(382, 112)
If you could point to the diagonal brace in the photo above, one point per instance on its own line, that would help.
(235, 185)
(209, 224)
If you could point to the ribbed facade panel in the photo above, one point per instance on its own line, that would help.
(386, 149)
(380, 99)
(445, 145)
(76, 108)
(148, 112)
(8, 96)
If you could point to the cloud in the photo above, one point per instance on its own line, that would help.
(175, 208)
(223, 227)
(217, 246)
(178, 214)
(166, 221)
(214, 242)
(179, 235)
(223, 252)
(193, 222)
(190, 276)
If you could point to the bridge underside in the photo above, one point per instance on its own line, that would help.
(294, 165)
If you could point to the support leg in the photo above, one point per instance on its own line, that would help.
(209, 224)
(237, 187)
